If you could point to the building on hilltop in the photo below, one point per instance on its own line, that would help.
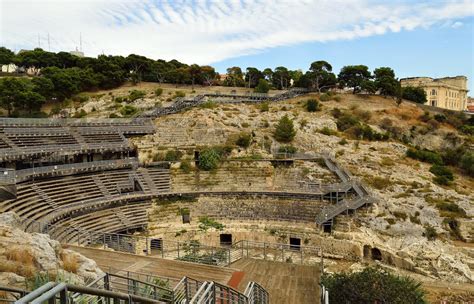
(447, 93)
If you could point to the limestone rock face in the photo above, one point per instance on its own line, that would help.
(45, 254)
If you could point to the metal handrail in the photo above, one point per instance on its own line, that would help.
(26, 174)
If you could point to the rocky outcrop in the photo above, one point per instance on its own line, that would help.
(24, 255)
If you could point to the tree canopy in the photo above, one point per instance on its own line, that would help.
(373, 285)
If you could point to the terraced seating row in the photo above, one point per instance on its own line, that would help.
(54, 198)
(111, 220)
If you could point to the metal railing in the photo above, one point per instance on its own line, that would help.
(63, 293)
(67, 169)
(16, 122)
(298, 254)
(256, 293)
(10, 294)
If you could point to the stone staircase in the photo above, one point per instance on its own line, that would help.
(44, 196)
(101, 186)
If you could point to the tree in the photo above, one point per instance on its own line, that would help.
(252, 77)
(373, 285)
(415, 94)
(12, 89)
(285, 130)
(467, 163)
(262, 87)
(321, 75)
(354, 76)
(295, 75)
(234, 78)
(6, 57)
(194, 73)
(208, 74)
(31, 101)
(281, 77)
(268, 74)
(43, 86)
(386, 82)
(137, 65)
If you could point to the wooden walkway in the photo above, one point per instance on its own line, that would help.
(156, 266)
(285, 282)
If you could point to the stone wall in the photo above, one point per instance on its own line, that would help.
(251, 176)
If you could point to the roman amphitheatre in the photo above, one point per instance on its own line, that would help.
(193, 200)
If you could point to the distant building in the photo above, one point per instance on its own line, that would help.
(77, 53)
(470, 104)
(447, 93)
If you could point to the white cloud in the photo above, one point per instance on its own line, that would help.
(206, 31)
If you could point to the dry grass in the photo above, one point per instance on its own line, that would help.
(21, 255)
(70, 262)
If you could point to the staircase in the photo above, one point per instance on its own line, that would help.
(103, 189)
(122, 218)
(145, 177)
(44, 196)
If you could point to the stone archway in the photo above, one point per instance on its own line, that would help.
(366, 251)
(376, 254)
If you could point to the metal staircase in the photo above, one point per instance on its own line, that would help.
(44, 196)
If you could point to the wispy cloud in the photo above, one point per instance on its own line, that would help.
(210, 31)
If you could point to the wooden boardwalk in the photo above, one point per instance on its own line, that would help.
(155, 266)
(285, 282)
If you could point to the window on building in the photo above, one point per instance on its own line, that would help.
(433, 92)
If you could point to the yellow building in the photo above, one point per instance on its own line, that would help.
(447, 93)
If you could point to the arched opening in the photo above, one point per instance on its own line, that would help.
(376, 254)
(366, 251)
(225, 239)
(327, 228)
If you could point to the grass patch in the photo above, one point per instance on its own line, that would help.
(379, 183)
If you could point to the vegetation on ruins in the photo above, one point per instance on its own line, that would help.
(244, 140)
(173, 155)
(372, 285)
(185, 165)
(285, 130)
(209, 159)
(205, 223)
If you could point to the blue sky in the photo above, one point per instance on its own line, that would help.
(438, 51)
(415, 37)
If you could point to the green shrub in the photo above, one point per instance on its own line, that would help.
(210, 104)
(179, 94)
(430, 233)
(287, 149)
(158, 91)
(372, 285)
(113, 115)
(185, 166)
(173, 155)
(80, 114)
(325, 97)
(336, 112)
(264, 107)
(467, 163)
(379, 182)
(448, 209)
(262, 87)
(440, 117)
(363, 131)
(346, 121)
(206, 223)
(453, 225)
(128, 110)
(400, 215)
(118, 99)
(443, 174)
(244, 140)
(312, 105)
(425, 156)
(209, 159)
(136, 94)
(284, 131)
(327, 131)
